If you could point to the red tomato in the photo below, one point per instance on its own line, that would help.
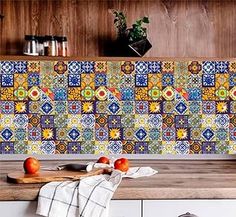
(103, 160)
(122, 164)
(31, 165)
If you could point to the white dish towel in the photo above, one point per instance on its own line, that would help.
(88, 197)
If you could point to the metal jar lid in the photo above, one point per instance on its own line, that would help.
(61, 38)
(30, 37)
(40, 38)
(49, 38)
(188, 215)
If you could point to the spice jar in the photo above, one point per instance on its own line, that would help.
(50, 46)
(62, 46)
(40, 47)
(30, 46)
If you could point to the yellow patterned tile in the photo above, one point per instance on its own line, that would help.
(7, 93)
(74, 93)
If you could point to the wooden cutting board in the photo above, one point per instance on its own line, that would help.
(49, 176)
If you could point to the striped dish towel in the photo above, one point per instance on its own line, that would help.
(88, 197)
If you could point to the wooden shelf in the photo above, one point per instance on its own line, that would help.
(90, 58)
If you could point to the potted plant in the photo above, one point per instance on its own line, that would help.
(131, 41)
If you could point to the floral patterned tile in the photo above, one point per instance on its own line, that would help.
(118, 107)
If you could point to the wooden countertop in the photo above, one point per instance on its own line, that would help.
(177, 179)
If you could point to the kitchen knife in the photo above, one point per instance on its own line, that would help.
(76, 167)
(71, 167)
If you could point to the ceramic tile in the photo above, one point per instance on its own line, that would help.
(115, 107)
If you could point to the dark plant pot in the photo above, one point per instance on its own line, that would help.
(141, 47)
(135, 49)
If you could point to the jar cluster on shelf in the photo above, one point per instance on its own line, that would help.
(47, 45)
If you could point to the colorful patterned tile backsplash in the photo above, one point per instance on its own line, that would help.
(115, 107)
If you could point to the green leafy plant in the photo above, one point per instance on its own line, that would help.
(120, 22)
(136, 33)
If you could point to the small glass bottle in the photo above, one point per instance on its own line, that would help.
(30, 47)
(62, 46)
(50, 46)
(40, 45)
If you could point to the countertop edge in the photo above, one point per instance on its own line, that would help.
(139, 194)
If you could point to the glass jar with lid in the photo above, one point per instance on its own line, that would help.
(62, 46)
(50, 46)
(31, 45)
(40, 47)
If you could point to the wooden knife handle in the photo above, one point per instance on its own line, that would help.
(73, 167)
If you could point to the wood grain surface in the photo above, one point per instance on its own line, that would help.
(184, 179)
(178, 28)
(90, 58)
(42, 176)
